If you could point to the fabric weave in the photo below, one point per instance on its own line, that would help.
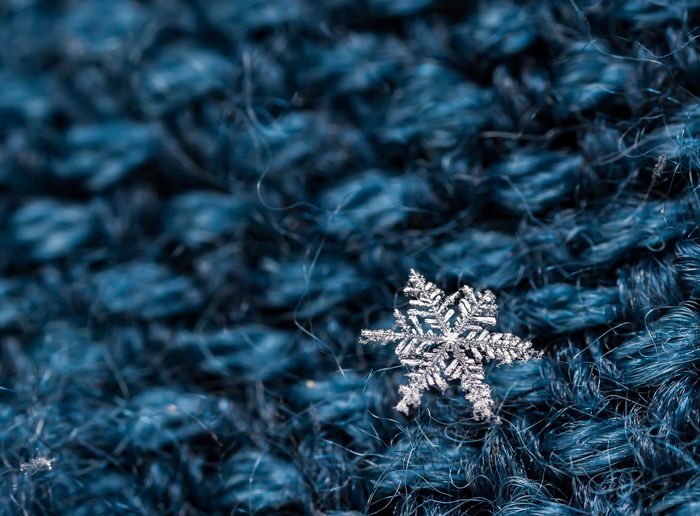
(203, 202)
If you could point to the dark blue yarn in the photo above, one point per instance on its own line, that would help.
(202, 203)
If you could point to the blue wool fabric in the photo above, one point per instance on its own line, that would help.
(203, 203)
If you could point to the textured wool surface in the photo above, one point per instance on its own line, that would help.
(203, 202)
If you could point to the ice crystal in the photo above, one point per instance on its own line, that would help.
(443, 338)
(37, 464)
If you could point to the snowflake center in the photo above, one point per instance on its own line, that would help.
(451, 337)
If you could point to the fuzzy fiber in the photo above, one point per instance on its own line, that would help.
(203, 202)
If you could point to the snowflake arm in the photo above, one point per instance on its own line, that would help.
(476, 309)
(443, 338)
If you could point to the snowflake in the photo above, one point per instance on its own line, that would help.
(438, 343)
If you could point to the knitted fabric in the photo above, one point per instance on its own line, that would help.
(203, 203)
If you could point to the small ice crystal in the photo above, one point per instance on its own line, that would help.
(37, 464)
